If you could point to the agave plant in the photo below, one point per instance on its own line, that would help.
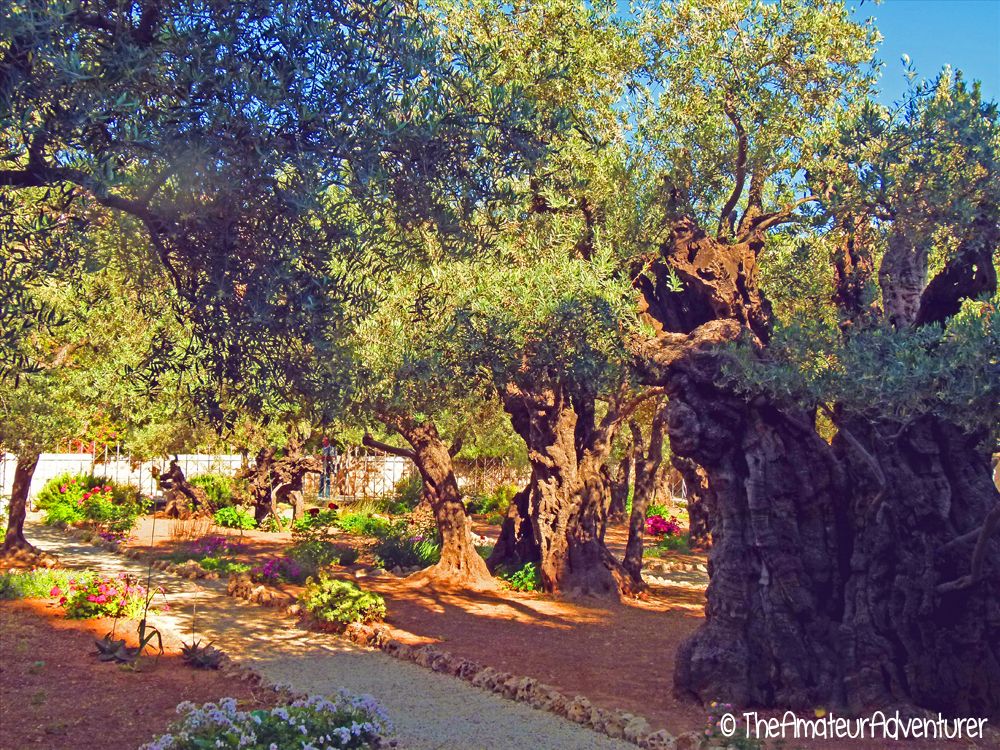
(201, 656)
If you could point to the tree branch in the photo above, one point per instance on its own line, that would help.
(743, 144)
(990, 524)
(369, 442)
(765, 221)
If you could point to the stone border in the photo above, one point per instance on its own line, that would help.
(612, 723)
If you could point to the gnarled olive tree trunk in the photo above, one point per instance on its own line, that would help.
(647, 464)
(274, 480)
(857, 573)
(14, 541)
(566, 499)
(517, 544)
(460, 562)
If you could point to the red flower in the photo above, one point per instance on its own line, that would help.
(331, 506)
(313, 512)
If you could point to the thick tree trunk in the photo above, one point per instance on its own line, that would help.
(699, 523)
(460, 562)
(832, 566)
(517, 544)
(647, 464)
(567, 508)
(279, 480)
(183, 498)
(14, 541)
(619, 483)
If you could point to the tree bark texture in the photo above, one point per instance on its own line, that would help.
(647, 464)
(14, 540)
(567, 498)
(183, 498)
(848, 574)
(516, 545)
(460, 563)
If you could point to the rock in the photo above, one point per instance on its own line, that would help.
(378, 572)
(294, 609)
(360, 574)
(636, 728)
(578, 710)
(661, 740)
(525, 688)
(689, 741)
(397, 571)
(483, 677)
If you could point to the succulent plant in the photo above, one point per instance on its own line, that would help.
(201, 656)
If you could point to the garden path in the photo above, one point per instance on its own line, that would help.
(429, 711)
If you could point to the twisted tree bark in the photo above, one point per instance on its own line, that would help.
(460, 562)
(647, 464)
(854, 573)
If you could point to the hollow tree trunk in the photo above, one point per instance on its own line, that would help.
(699, 524)
(14, 540)
(647, 464)
(516, 545)
(460, 563)
(567, 508)
(827, 560)
(619, 484)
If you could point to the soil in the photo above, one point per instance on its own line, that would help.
(56, 695)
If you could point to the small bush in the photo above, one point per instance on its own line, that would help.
(348, 557)
(313, 554)
(407, 493)
(400, 548)
(667, 545)
(364, 524)
(341, 602)
(93, 595)
(657, 509)
(526, 578)
(219, 488)
(278, 570)
(222, 566)
(234, 517)
(315, 519)
(347, 722)
(32, 584)
(496, 503)
(73, 498)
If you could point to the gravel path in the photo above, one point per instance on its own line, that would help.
(429, 711)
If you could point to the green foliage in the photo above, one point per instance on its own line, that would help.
(314, 554)
(37, 583)
(234, 517)
(223, 566)
(73, 498)
(525, 578)
(363, 523)
(666, 545)
(341, 602)
(400, 548)
(495, 503)
(350, 723)
(407, 492)
(314, 521)
(218, 487)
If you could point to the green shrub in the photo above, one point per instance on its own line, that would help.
(659, 509)
(234, 517)
(524, 579)
(96, 595)
(313, 554)
(308, 521)
(341, 602)
(349, 723)
(496, 502)
(218, 487)
(407, 493)
(399, 547)
(32, 584)
(364, 524)
(70, 498)
(484, 550)
(667, 545)
(223, 566)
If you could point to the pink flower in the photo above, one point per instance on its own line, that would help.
(55, 591)
(63, 488)
(62, 601)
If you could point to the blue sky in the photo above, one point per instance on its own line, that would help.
(962, 33)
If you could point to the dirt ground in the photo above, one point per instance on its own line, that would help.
(55, 695)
